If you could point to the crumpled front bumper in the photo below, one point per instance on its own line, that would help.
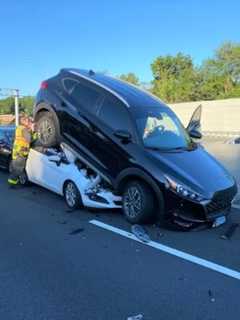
(188, 214)
(186, 220)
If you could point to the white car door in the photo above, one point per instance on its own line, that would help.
(42, 170)
(52, 174)
(34, 167)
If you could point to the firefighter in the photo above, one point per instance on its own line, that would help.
(24, 136)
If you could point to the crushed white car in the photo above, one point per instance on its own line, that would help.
(63, 173)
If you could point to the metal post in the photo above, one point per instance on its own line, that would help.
(16, 98)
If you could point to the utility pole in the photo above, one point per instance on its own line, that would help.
(16, 100)
(15, 94)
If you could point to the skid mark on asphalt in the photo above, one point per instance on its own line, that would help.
(174, 252)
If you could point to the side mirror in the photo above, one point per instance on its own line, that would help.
(123, 135)
(195, 121)
(195, 134)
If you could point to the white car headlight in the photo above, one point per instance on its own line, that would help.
(182, 190)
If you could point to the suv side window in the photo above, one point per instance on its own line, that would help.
(115, 115)
(85, 96)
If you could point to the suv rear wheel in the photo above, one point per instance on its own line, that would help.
(138, 202)
(48, 130)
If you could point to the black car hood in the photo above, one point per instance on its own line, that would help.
(196, 169)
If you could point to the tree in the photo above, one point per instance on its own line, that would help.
(174, 78)
(221, 74)
(27, 104)
(130, 77)
(7, 105)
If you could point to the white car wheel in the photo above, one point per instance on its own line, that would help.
(72, 195)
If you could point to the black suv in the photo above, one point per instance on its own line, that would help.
(137, 144)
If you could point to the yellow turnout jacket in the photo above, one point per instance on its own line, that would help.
(23, 139)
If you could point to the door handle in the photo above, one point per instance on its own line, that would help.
(100, 135)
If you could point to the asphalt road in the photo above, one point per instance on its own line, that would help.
(48, 273)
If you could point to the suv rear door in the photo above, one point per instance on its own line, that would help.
(88, 121)
(79, 101)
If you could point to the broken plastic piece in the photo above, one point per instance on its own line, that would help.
(62, 221)
(140, 233)
(76, 231)
(212, 299)
(137, 317)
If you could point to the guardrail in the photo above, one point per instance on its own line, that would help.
(221, 134)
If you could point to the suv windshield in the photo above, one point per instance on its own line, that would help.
(161, 129)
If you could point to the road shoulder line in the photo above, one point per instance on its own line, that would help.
(174, 252)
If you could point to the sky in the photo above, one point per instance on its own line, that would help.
(38, 38)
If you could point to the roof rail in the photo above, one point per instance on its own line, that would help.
(101, 85)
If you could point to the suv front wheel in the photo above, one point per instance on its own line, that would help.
(138, 202)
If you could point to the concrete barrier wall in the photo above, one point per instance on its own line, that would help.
(217, 116)
(7, 119)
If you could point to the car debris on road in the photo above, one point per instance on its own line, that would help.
(210, 294)
(137, 317)
(76, 231)
(140, 233)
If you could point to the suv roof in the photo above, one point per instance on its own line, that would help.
(133, 96)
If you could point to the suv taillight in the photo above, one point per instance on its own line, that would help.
(44, 85)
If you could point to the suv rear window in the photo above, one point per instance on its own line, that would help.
(115, 115)
(82, 94)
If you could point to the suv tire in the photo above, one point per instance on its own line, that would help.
(48, 130)
(138, 202)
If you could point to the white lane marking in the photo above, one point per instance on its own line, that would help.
(177, 253)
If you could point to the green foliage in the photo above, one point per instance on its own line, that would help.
(130, 77)
(221, 74)
(176, 79)
(27, 104)
(7, 105)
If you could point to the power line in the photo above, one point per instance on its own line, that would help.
(12, 92)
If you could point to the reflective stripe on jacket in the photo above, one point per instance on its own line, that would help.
(22, 142)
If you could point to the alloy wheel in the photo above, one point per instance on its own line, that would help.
(71, 194)
(45, 130)
(132, 202)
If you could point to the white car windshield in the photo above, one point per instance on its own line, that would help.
(162, 130)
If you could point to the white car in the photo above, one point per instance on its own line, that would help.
(62, 173)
